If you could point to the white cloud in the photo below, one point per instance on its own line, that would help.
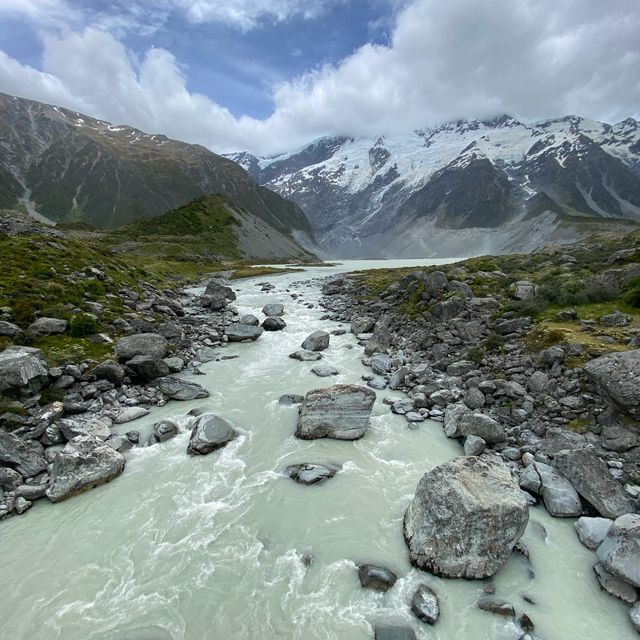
(460, 58)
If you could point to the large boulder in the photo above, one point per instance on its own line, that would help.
(362, 324)
(179, 389)
(273, 309)
(311, 472)
(147, 368)
(465, 518)
(210, 432)
(377, 578)
(47, 327)
(560, 498)
(617, 377)
(23, 370)
(592, 531)
(619, 553)
(273, 323)
(590, 477)
(70, 428)
(9, 329)
(316, 341)
(84, 463)
(141, 344)
(305, 356)
(23, 456)
(341, 412)
(240, 332)
(216, 288)
(110, 370)
(481, 425)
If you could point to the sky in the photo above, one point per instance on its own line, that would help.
(269, 76)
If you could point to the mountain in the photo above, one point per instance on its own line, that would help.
(70, 167)
(463, 188)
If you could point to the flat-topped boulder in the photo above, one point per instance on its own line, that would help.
(141, 344)
(305, 356)
(23, 370)
(240, 332)
(179, 389)
(341, 412)
(465, 519)
(47, 327)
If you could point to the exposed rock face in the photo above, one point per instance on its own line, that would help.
(210, 432)
(618, 379)
(141, 344)
(614, 586)
(273, 309)
(84, 463)
(179, 389)
(317, 341)
(591, 479)
(17, 454)
(619, 553)
(239, 332)
(560, 498)
(71, 428)
(465, 519)
(341, 412)
(362, 324)
(22, 370)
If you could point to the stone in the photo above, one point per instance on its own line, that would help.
(147, 368)
(460, 368)
(84, 463)
(617, 377)
(614, 586)
(452, 416)
(31, 491)
(377, 578)
(324, 370)
(210, 432)
(592, 531)
(474, 446)
(619, 552)
(119, 443)
(272, 323)
(70, 428)
(240, 332)
(496, 605)
(634, 615)
(109, 370)
(204, 354)
(305, 356)
(179, 389)
(21, 505)
(175, 364)
(481, 425)
(47, 327)
(425, 605)
(558, 494)
(390, 632)
(523, 290)
(8, 329)
(10, 479)
(216, 289)
(310, 472)
(130, 413)
(380, 363)
(316, 341)
(465, 518)
(362, 324)
(341, 412)
(23, 456)
(273, 309)
(538, 381)
(141, 344)
(615, 319)
(290, 399)
(23, 370)
(164, 430)
(591, 479)
(249, 319)
(474, 398)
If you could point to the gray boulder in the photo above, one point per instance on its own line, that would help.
(617, 377)
(272, 323)
(362, 324)
(590, 477)
(614, 586)
(380, 363)
(130, 413)
(523, 290)
(70, 428)
(465, 518)
(146, 368)
(474, 446)
(210, 432)
(452, 416)
(496, 605)
(273, 309)
(84, 463)
(249, 319)
(619, 553)
(179, 389)
(23, 370)
(305, 356)
(8, 329)
(310, 472)
(615, 319)
(377, 578)
(560, 498)
(481, 425)
(341, 412)
(317, 341)
(141, 344)
(592, 531)
(163, 431)
(10, 479)
(290, 398)
(240, 332)
(47, 327)
(324, 370)
(424, 604)
(23, 456)
(110, 370)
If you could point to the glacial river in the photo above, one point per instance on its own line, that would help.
(214, 547)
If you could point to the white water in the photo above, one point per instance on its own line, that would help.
(210, 547)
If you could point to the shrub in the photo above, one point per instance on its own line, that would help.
(494, 342)
(476, 355)
(83, 325)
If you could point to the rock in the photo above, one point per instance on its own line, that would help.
(538, 381)
(131, 413)
(474, 398)
(362, 324)
(179, 389)
(249, 319)
(465, 518)
(615, 319)
(240, 332)
(591, 479)
(210, 432)
(317, 341)
(21, 505)
(110, 370)
(273, 324)
(619, 552)
(634, 614)
(47, 327)
(164, 430)
(22, 370)
(10, 479)
(515, 325)
(23, 456)
(481, 425)
(560, 498)
(341, 412)
(305, 356)
(273, 309)
(84, 463)
(377, 578)
(388, 632)
(175, 364)
(447, 309)
(324, 370)
(424, 604)
(452, 416)
(523, 290)
(460, 368)
(141, 344)
(31, 491)
(496, 605)
(310, 472)
(290, 398)
(592, 531)
(614, 586)
(380, 363)
(617, 377)
(147, 368)
(204, 354)
(474, 446)
(8, 329)
(71, 428)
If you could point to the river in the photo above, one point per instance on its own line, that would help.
(213, 547)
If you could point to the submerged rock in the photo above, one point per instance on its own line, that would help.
(310, 472)
(210, 432)
(324, 370)
(377, 578)
(424, 604)
(496, 605)
(465, 519)
(389, 632)
(341, 412)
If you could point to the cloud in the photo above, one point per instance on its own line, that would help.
(445, 60)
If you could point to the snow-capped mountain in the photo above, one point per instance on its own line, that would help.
(466, 187)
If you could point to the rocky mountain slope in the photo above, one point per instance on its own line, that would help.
(501, 185)
(68, 166)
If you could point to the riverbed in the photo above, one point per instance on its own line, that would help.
(225, 546)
